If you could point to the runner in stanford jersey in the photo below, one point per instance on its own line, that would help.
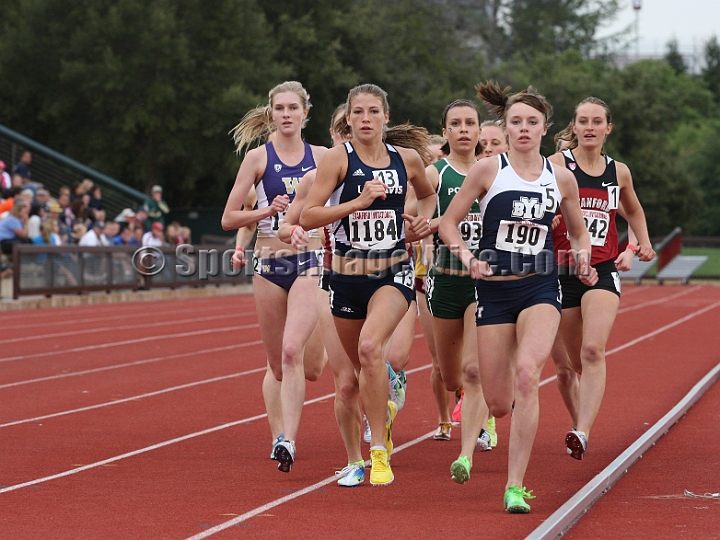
(605, 185)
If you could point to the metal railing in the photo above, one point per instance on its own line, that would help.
(48, 270)
(55, 170)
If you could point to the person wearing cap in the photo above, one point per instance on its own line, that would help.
(157, 208)
(95, 237)
(155, 237)
(126, 216)
(5, 178)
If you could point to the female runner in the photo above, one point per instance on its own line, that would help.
(589, 311)
(492, 138)
(450, 289)
(518, 299)
(371, 281)
(286, 306)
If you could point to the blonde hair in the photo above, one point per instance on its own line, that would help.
(46, 228)
(568, 137)
(257, 124)
(501, 100)
(404, 135)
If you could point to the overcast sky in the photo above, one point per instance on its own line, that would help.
(692, 22)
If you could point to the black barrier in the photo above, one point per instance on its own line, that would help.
(49, 270)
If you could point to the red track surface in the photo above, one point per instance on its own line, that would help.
(109, 387)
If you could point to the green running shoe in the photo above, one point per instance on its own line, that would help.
(515, 500)
(460, 470)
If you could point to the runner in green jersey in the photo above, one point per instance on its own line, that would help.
(450, 291)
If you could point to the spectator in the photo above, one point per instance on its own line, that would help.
(95, 205)
(172, 233)
(42, 197)
(5, 179)
(126, 216)
(79, 230)
(21, 173)
(112, 229)
(48, 234)
(141, 217)
(79, 212)
(138, 233)
(8, 203)
(157, 208)
(126, 238)
(155, 237)
(186, 235)
(95, 237)
(13, 229)
(55, 213)
(34, 220)
(80, 189)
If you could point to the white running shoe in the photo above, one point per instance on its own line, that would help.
(367, 434)
(285, 455)
(483, 442)
(353, 475)
(576, 442)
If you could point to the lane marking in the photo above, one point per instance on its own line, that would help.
(114, 328)
(658, 301)
(66, 320)
(565, 517)
(138, 397)
(308, 402)
(129, 364)
(132, 341)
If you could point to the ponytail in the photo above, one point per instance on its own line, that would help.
(413, 137)
(565, 139)
(255, 126)
(491, 94)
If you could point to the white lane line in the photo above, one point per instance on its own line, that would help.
(135, 398)
(130, 364)
(130, 315)
(294, 495)
(305, 491)
(650, 335)
(115, 328)
(132, 341)
(258, 417)
(149, 448)
(565, 517)
(659, 300)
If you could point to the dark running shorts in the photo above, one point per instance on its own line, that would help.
(573, 289)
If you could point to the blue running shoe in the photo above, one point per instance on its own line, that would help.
(277, 441)
(353, 475)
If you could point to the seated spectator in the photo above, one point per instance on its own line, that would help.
(42, 197)
(126, 216)
(155, 237)
(112, 229)
(186, 235)
(9, 202)
(13, 229)
(79, 230)
(95, 237)
(125, 238)
(35, 218)
(5, 179)
(79, 212)
(157, 208)
(80, 189)
(138, 233)
(95, 204)
(48, 234)
(172, 233)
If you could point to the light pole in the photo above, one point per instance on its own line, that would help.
(637, 6)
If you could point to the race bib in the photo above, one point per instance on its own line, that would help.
(471, 230)
(523, 237)
(405, 277)
(613, 197)
(597, 224)
(390, 178)
(277, 220)
(373, 229)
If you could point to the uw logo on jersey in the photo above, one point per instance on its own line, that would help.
(278, 166)
(528, 208)
(291, 184)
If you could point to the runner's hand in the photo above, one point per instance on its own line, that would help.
(299, 238)
(280, 204)
(480, 269)
(238, 260)
(624, 260)
(371, 191)
(419, 225)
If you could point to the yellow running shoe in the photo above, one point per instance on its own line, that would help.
(492, 432)
(392, 412)
(380, 474)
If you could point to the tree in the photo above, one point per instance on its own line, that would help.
(711, 71)
(144, 90)
(674, 58)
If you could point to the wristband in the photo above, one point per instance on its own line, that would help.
(292, 231)
(633, 248)
(428, 221)
(239, 249)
